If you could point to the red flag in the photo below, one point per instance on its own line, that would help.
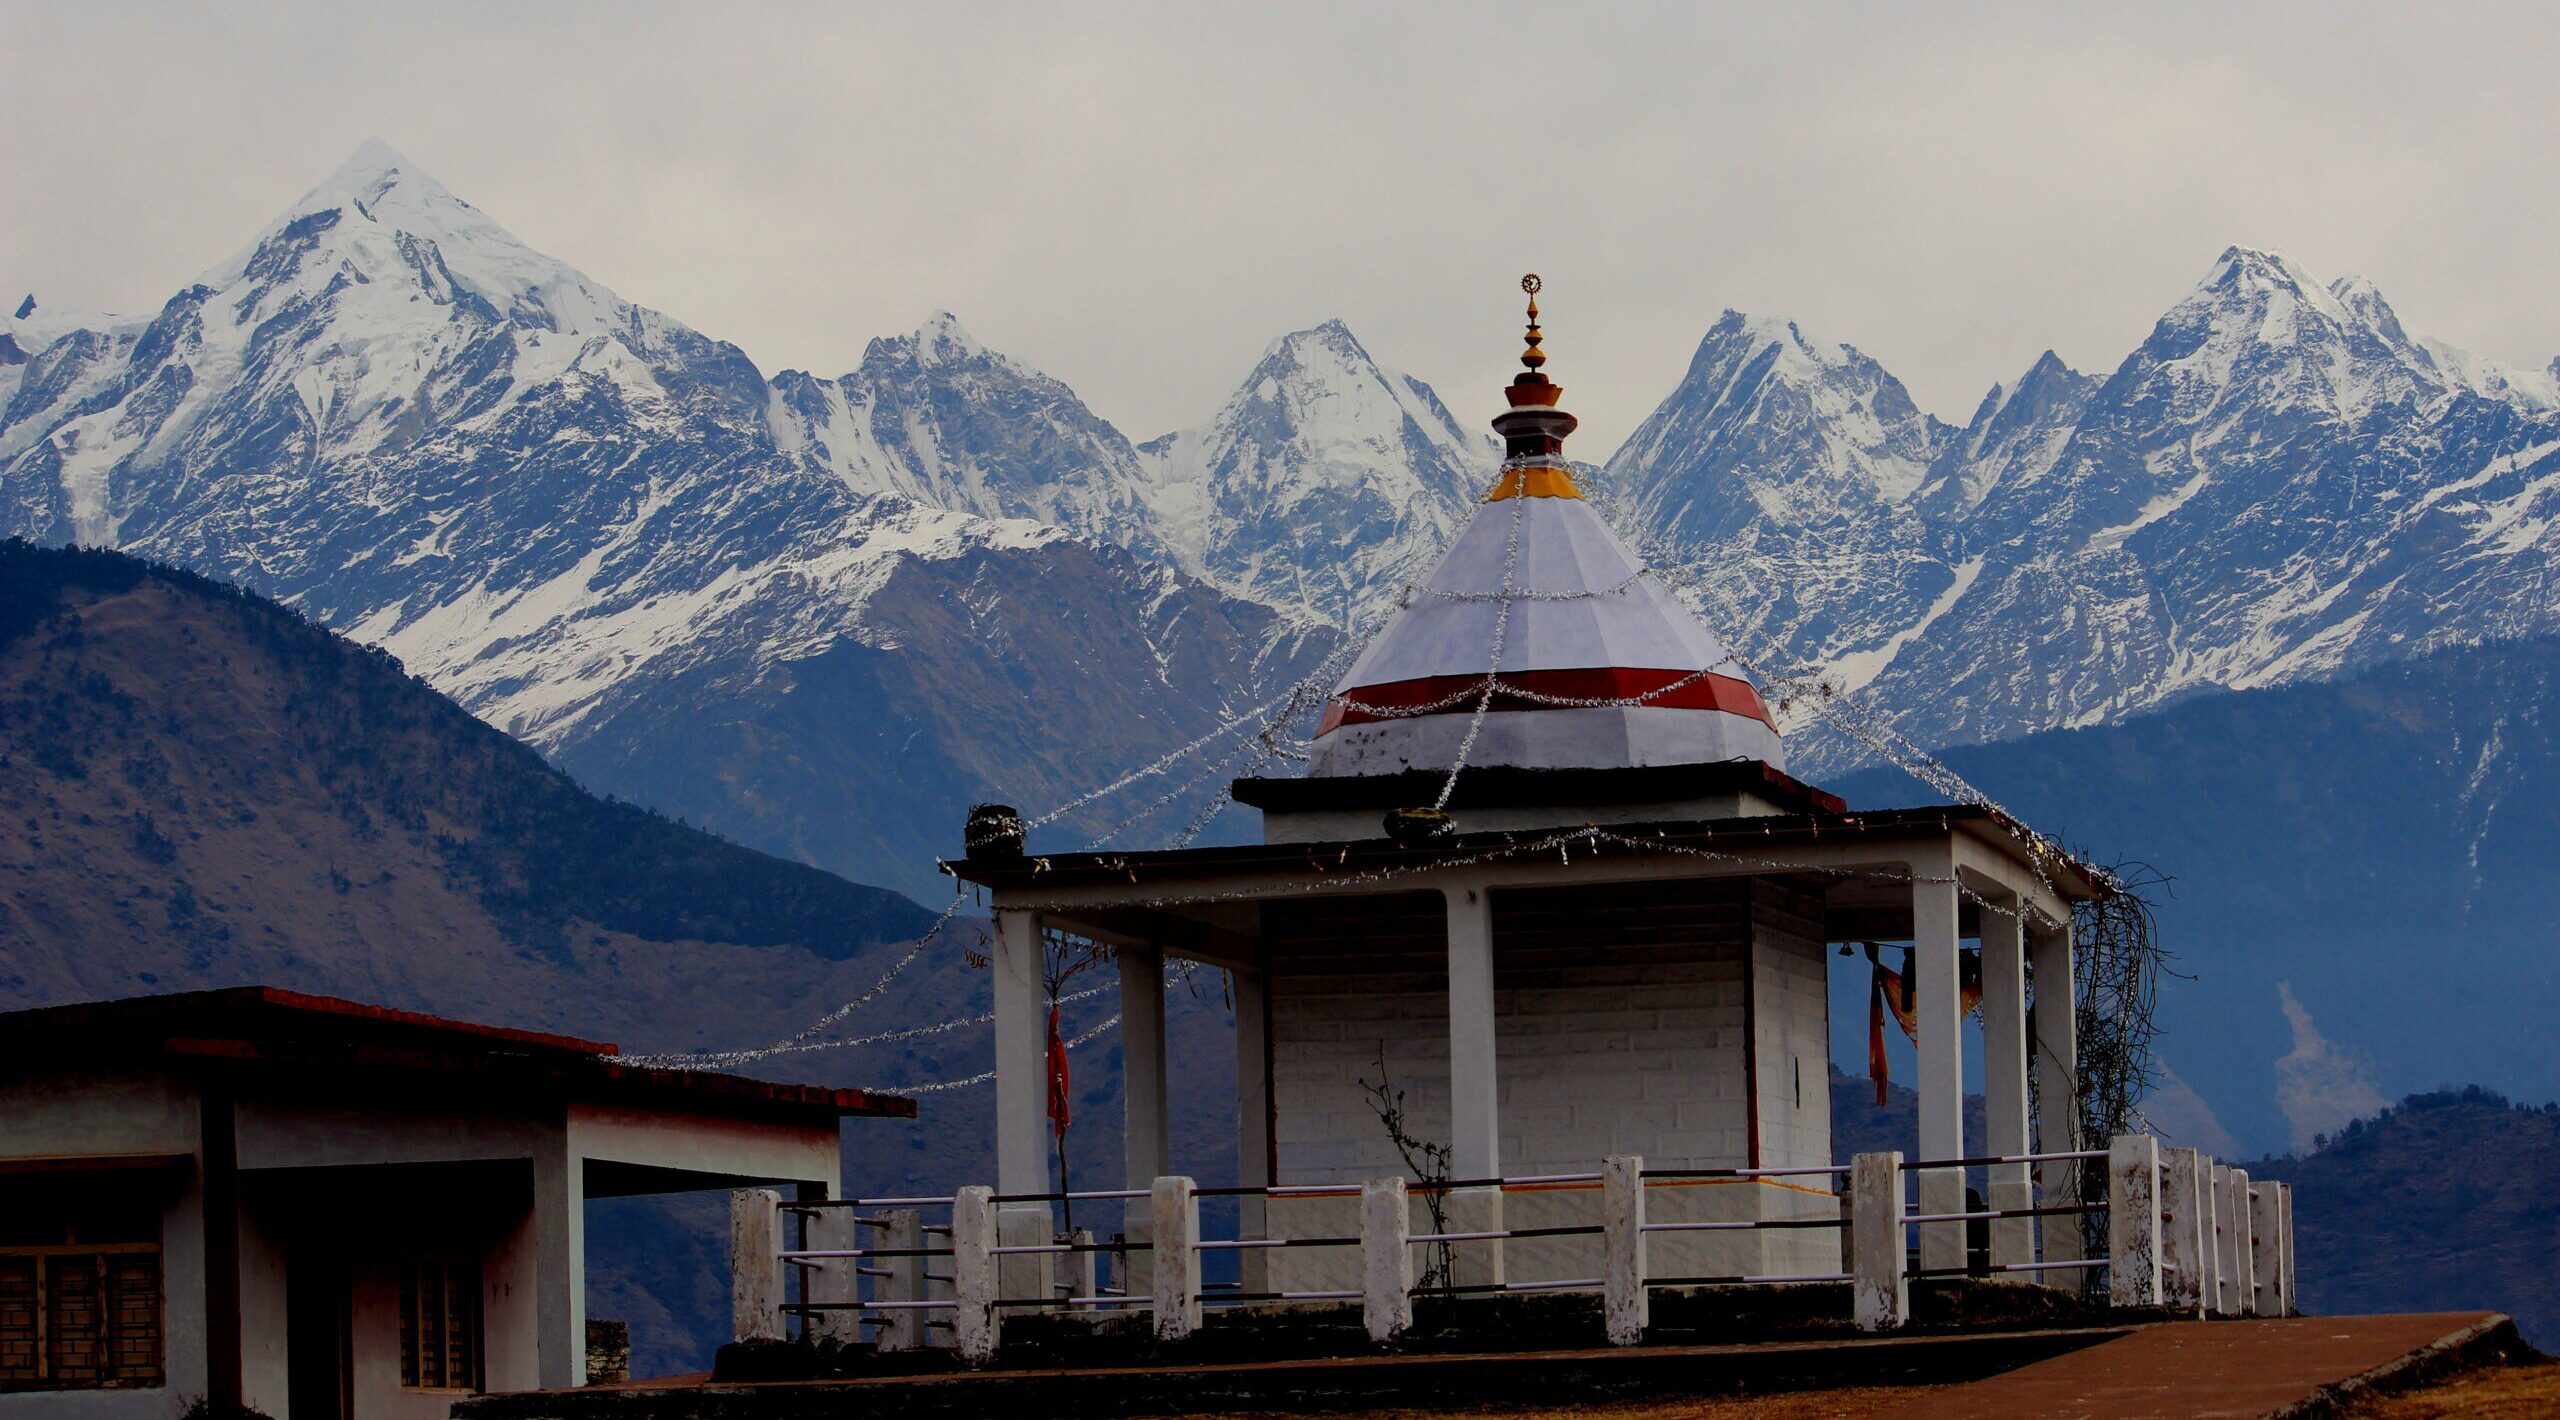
(1057, 1077)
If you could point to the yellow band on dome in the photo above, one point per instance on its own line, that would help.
(1537, 481)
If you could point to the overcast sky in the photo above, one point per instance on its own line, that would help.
(1138, 199)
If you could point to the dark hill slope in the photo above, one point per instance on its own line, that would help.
(203, 788)
(2380, 845)
(2451, 1201)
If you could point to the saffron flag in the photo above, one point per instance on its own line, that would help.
(1057, 1077)
(1891, 990)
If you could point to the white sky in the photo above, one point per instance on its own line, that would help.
(1138, 199)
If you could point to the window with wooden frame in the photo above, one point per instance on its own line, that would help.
(81, 1306)
(440, 1323)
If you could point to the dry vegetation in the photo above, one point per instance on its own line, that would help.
(2495, 1393)
(1794, 1405)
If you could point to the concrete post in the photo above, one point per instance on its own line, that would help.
(2004, 1104)
(1941, 1074)
(1080, 1277)
(2266, 1244)
(755, 1264)
(2057, 1097)
(1026, 1276)
(560, 1254)
(1146, 1148)
(2284, 1266)
(2209, 1224)
(1175, 1207)
(1386, 1259)
(2244, 1217)
(903, 1328)
(2183, 1232)
(833, 1281)
(975, 1324)
(2133, 1221)
(1626, 1303)
(1253, 1124)
(2226, 1248)
(1882, 1287)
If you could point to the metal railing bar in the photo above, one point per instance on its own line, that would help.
(1833, 1169)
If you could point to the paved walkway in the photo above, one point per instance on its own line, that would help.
(2205, 1370)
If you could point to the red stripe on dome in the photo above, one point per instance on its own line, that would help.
(1688, 691)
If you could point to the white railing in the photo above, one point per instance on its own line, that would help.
(2181, 1232)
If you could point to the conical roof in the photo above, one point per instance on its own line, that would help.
(1590, 661)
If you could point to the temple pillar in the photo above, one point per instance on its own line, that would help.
(2057, 1057)
(2004, 1080)
(1146, 1150)
(1934, 953)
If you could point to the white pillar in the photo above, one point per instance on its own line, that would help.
(1146, 1149)
(2004, 1080)
(1881, 1286)
(1386, 1259)
(755, 1266)
(1941, 1075)
(833, 1281)
(560, 1261)
(1626, 1303)
(1475, 1127)
(2133, 1221)
(1174, 1203)
(902, 1231)
(2184, 1232)
(1022, 1101)
(975, 1322)
(1022, 1055)
(1475, 1118)
(2057, 1096)
(1253, 1123)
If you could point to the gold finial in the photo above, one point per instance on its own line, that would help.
(1533, 357)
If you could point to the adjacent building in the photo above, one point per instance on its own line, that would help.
(334, 1211)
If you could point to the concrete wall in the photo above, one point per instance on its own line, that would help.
(1617, 1049)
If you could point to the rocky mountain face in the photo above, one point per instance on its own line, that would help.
(610, 536)
(2280, 483)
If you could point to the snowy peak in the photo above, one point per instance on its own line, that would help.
(938, 417)
(2015, 438)
(1770, 423)
(1323, 485)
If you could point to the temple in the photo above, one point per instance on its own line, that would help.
(1547, 877)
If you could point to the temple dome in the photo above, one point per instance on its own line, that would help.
(1594, 664)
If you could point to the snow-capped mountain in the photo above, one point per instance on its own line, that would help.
(573, 514)
(2279, 483)
(1325, 485)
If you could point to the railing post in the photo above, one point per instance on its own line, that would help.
(755, 1264)
(2226, 1250)
(1882, 1285)
(1626, 1303)
(2246, 1213)
(2184, 1234)
(2284, 1262)
(833, 1280)
(974, 1323)
(902, 1230)
(1174, 1210)
(2133, 1221)
(2266, 1246)
(1386, 1259)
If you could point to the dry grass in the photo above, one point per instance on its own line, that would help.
(2497, 1393)
(1793, 1405)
